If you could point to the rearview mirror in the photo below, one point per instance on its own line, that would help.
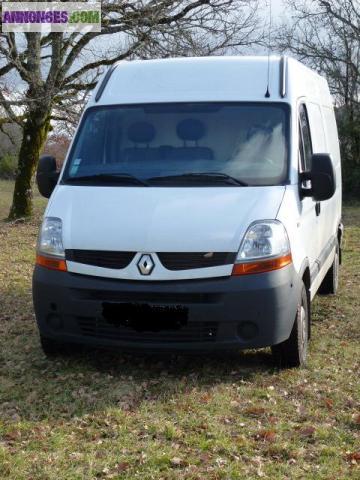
(322, 177)
(47, 175)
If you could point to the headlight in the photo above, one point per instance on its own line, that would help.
(50, 239)
(264, 239)
(265, 247)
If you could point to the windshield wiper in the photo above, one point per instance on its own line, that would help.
(207, 176)
(117, 178)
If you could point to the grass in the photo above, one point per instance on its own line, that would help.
(102, 415)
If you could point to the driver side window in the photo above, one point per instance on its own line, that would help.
(305, 145)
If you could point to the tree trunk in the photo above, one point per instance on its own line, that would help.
(34, 136)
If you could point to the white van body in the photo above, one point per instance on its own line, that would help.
(194, 218)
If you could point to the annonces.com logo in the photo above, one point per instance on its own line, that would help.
(51, 17)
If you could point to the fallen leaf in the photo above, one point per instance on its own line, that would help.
(175, 461)
(354, 457)
(266, 435)
(307, 431)
(122, 466)
(357, 420)
(12, 436)
(205, 398)
(255, 411)
(329, 403)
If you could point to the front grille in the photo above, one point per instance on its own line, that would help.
(191, 332)
(170, 260)
(190, 260)
(100, 258)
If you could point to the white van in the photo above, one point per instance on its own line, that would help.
(199, 208)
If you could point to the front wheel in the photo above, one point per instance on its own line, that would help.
(293, 351)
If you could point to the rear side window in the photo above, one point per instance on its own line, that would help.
(305, 139)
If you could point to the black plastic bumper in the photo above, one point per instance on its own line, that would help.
(221, 313)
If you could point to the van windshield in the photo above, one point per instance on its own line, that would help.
(181, 144)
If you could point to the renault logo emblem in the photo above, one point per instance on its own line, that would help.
(146, 264)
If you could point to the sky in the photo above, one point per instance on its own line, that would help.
(278, 13)
(277, 7)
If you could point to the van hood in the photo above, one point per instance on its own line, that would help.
(160, 219)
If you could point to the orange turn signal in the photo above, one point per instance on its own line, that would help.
(52, 263)
(261, 265)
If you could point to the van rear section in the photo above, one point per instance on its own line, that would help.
(181, 218)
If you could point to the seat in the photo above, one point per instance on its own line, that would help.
(191, 130)
(140, 133)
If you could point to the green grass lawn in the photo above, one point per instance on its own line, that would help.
(102, 415)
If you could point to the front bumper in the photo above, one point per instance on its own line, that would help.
(222, 313)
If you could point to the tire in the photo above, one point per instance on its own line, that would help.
(293, 351)
(52, 348)
(329, 285)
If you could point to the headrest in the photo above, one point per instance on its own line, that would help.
(141, 132)
(190, 129)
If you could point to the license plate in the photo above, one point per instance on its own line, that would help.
(145, 316)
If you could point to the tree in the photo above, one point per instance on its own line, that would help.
(326, 36)
(57, 145)
(54, 70)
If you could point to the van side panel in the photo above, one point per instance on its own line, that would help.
(331, 133)
(332, 207)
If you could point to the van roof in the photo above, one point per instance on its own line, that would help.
(197, 79)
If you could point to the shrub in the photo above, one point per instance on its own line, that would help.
(8, 167)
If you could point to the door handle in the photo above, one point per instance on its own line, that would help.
(317, 208)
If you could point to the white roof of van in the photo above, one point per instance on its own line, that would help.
(197, 79)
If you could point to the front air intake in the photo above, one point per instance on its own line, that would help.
(188, 261)
(100, 258)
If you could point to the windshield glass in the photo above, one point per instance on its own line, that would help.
(236, 144)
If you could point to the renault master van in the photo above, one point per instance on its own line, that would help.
(199, 208)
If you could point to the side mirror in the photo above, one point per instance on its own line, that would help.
(322, 177)
(46, 175)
